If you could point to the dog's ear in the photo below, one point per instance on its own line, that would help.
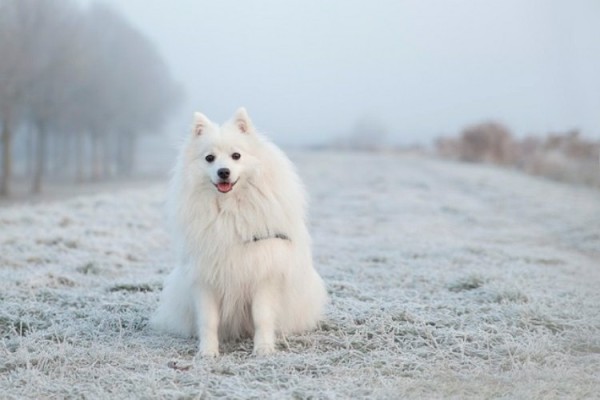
(242, 120)
(200, 123)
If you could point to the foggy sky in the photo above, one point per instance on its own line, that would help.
(309, 70)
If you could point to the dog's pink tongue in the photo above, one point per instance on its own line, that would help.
(224, 187)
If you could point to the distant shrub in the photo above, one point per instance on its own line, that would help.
(561, 156)
(488, 142)
(565, 157)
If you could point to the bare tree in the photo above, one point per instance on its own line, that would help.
(80, 75)
(12, 82)
(54, 26)
(129, 86)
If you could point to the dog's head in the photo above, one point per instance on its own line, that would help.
(224, 155)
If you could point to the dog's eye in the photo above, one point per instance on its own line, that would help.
(236, 156)
(209, 158)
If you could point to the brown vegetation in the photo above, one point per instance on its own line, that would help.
(565, 156)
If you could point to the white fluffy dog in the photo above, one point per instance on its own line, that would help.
(238, 209)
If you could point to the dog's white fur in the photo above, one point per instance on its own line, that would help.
(228, 284)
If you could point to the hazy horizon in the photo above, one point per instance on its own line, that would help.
(309, 71)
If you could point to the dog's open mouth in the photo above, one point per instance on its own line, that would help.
(224, 187)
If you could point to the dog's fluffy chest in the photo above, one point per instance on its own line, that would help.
(247, 219)
(236, 242)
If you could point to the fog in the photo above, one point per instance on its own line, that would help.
(310, 71)
(94, 90)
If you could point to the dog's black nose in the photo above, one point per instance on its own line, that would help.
(223, 173)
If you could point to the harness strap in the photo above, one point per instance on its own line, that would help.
(281, 236)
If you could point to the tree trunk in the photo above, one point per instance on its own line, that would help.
(30, 152)
(126, 153)
(66, 155)
(57, 147)
(120, 153)
(107, 156)
(79, 149)
(40, 160)
(130, 157)
(95, 156)
(6, 157)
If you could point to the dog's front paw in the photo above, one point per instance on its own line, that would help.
(263, 349)
(209, 351)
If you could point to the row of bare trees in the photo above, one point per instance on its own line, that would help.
(564, 156)
(77, 86)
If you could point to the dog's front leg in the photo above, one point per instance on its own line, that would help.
(263, 314)
(207, 319)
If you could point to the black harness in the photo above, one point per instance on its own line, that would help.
(281, 236)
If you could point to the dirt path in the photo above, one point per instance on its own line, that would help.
(446, 280)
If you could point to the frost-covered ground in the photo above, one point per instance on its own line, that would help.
(446, 281)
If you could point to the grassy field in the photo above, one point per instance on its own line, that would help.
(446, 281)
